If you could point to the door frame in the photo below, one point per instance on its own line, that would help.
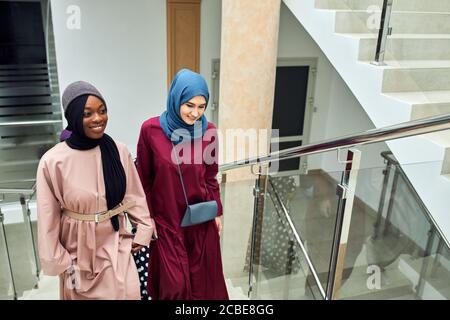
(309, 103)
(215, 91)
(309, 110)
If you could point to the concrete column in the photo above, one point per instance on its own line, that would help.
(247, 72)
(247, 84)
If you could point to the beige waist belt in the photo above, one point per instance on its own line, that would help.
(101, 216)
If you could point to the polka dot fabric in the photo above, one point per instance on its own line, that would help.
(278, 247)
(141, 258)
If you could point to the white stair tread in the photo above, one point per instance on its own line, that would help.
(43, 296)
(415, 64)
(48, 290)
(374, 10)
(398, 36)
(396, 11)
(357, 283)
(235, 293)
(424, 97)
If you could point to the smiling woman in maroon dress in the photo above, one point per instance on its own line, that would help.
(185, 262)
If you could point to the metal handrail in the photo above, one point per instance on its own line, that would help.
(390, 158)
(397, 131)
(25, 192)
(29, 123)
(299, 241)
(16, 181)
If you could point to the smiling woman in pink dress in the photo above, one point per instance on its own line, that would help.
(185, 262)
(79, 180)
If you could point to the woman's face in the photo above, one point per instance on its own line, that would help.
(192, 110)
(95, 118)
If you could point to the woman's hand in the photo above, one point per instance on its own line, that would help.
(154, 235)
(135, 247)
(219, 224)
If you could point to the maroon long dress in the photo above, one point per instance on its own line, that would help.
(185, 262)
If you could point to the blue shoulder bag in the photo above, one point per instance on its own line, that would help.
(199, 212)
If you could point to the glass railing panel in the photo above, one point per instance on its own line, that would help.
(11, 198)
(281, 270)
(277, 266)
(21, 240)
(7, 290)
(236, 187)
(310, 201)
(22, 259)
(435, 270)
(390, 237)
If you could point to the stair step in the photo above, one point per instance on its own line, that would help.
(48, 289)
(398, 5)
(440, 279)
(406, 46)
(363, 21)
(291, 294)
(424, 104)
(418, 97)
(396, 293)
(38, 295)
(416, 79)
(436, 285)
(235, 293)
(282, 287)
(427, 104)
(393, 284)
(415, 64)
(273, 288)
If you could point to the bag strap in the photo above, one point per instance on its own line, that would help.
(179, 172)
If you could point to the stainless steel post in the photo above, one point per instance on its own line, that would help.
(346, 191)
(385, 31)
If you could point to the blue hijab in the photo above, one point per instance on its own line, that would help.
(185, 85)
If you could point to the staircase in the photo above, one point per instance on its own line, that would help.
(29, 120)
(414, 84)
(47, 289)
(436, 284)
(30, 115)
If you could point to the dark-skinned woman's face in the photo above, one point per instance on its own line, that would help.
(95, 118)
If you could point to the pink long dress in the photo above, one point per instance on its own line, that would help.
(185, 262)
(73, 179)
